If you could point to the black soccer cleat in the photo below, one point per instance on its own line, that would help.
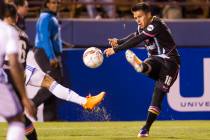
(143, 133)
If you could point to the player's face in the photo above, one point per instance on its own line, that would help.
(53, 5)
(24, 9)
(142, 18)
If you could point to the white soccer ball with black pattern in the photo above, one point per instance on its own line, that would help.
(93, 57)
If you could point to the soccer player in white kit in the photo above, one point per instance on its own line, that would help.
(13, 95)
(36, 77)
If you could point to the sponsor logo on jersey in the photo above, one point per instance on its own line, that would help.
(150, 47)
(150, 28)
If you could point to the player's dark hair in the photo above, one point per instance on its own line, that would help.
(46, 2)
(10, 11)
(141, 7)
(1, 9)
(19, 2)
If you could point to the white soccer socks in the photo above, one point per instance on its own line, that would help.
(66, 94)
(16, 131)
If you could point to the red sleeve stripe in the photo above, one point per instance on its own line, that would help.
(147, 34)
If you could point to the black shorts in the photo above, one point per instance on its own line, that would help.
(43, 62)
(162, 70)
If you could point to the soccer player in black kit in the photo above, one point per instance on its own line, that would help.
(162, 63)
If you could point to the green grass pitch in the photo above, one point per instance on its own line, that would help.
(161, 130)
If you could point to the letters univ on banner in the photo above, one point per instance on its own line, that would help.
(192, 104)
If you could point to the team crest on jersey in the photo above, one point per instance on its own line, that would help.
(150, 27)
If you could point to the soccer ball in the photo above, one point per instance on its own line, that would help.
(93, 57)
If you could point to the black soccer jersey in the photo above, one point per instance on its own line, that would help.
(23, 47)
(21, 22)
(157, 38)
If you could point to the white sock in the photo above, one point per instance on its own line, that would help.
(16, 131)
(66, 94)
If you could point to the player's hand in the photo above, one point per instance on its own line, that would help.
(113, 42)
(108, 52)
(54, 63)
(29, 107)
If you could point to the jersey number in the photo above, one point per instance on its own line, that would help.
(22, 51)
(168, 80)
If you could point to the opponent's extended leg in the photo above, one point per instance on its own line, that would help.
(69, 95)
(39, 79)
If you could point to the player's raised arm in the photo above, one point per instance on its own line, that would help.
(130, 43)
(114, 42)
(123, 40)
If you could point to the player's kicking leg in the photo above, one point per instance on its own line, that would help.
(133, 60)
(145, 67)
(36, 77)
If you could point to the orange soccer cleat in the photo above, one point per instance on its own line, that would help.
(93, 101)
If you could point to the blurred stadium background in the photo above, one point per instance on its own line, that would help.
(162, 8)
(129, 93)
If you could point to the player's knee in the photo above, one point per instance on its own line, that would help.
(154, 109)
(18, 118)
(47, 81)
(145, 68)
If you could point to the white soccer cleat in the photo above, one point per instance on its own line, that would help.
(133, 60)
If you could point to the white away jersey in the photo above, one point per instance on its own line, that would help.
(8, 41)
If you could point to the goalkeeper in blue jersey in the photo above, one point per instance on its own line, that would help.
(48, 49)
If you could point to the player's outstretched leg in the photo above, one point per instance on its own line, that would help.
(39, 79)
(69, 95)
(133, 60)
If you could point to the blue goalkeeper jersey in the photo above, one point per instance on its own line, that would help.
(48, 34)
